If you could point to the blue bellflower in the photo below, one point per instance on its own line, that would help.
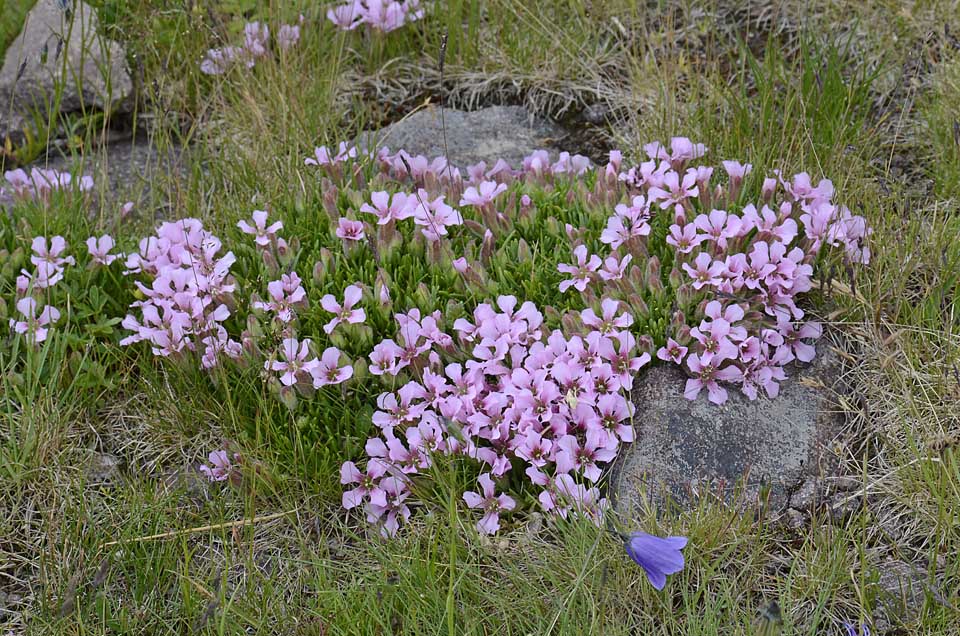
(657, 556)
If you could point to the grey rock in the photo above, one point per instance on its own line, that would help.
(102, 469)
(795, 520)
(805, 498)
(742, 451)
(901, 591)
(498, 132)
(61, 50)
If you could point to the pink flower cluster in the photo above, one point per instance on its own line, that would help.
(39, 183)
(550, 402)
(748, 267)
(188, 289)
(256, 41)
(379, 15)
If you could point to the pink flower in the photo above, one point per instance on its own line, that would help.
(675, 192)
(350, 474)
(350, 230)
(220, 468)
(581, 271)
(736, 170)
(681, 150)
(34, 327)
(400, 207)
(718, 226)
(345, 312)
(610, 321)
(347, 16)
(490, 502)
(260, 229)
(483, 194)
(99, 249)
(387, 358)
(287, 36)
(42, 253)
(294, 361)
(706, 376)
(435, 216)
(685, 238)
(614, 268)
(328, 372)
(573, 456)
(707, 271)
(672, 352)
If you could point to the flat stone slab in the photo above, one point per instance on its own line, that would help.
(498, 132)
(741, 452)
(60, 49)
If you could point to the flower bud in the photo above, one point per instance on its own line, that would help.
(652, 274)
(486, 250)
(361, 369)
(381, 289)
(288, 396)
(768, 189)
(686, 294)
(637, 306)
(328, 261)
(677, 321)
(645, 344)
(329, 200)
(676, 278)
(270, 262)
(424, 299)
(523, 252)
(318, 273)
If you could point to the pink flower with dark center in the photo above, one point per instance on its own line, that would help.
(685, 238)
(490, 503)
(327, 372)
(221, 467)
(610, 321)
(706, 376)
(673, 351)
(572, 456)
(396, 491)
(707, 271)
(294, 363)
(794, 338)
(581, 271)
(435, 216)
(719, 226)
(350, 230)
(673, 191)
(367, 486)
(262, 232)
(535, 449)
(343, 313)
(615, 411)
(386, 358)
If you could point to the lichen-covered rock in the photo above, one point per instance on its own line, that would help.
(742, 450)
(497, 132)
(60, 59)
